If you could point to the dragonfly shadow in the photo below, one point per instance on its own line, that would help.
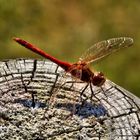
(29, 103)
(85, 110)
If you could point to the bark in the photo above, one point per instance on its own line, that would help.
(28, 112)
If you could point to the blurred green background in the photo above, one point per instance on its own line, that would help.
(65, 29)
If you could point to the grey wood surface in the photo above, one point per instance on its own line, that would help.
(110, 113)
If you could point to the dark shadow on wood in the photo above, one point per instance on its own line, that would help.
(28, 103)
(86, 110)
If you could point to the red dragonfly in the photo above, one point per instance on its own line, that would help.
(81, 69)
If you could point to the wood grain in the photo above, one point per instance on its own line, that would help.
(101, 114)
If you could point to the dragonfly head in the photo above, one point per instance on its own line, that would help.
(98, 79)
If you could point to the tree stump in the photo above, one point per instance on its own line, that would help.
(26, 85)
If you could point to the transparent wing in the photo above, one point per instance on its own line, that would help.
(104, 48)
(62, 83)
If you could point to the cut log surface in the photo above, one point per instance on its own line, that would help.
(26, 85)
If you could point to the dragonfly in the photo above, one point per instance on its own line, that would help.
(81, 69)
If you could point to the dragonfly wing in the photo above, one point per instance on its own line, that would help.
(104, 48)
(64, 80)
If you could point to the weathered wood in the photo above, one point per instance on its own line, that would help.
(107, 113)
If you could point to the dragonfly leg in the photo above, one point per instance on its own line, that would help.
(81, 100)
(103, 91)
(95, 100)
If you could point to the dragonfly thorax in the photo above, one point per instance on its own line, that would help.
(81, 71)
